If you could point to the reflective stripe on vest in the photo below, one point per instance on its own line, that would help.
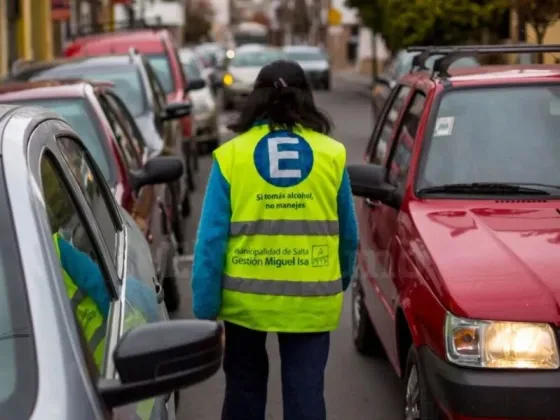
(282, 287)
(87, 314)
(284, 227)
(282, 271)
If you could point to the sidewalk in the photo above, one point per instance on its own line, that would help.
(357, 82)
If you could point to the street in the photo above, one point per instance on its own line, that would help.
(357, 388)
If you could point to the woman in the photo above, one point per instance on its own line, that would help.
(276, 245)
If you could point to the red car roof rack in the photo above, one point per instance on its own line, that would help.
(455, 52)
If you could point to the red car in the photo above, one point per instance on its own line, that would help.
(457, 277)
(108, 130)
(159, 47)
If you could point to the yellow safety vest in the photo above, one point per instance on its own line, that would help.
(87, 313)
(282, 270)
(94, 329)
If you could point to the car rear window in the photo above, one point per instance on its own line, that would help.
(501, 134)
(308, 55)
(78, 114)
(18, 368)
(162, 67)
(255, 58)
(128, 83)
(192, 70)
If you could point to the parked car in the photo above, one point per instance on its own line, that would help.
(399, 66)
(45, 355)
(205, 110)
(213, 58)
(137, 84)
(108, 130)
(242, 72)
(456, 280)
(159, 47)
(314, 62)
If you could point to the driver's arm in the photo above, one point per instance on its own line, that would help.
(86, 274)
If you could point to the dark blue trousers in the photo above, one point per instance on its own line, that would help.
(304, 358)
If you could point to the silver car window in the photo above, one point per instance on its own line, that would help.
(85, 281)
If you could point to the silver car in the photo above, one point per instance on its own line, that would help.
(314, 62)
(242, 71)
(134, 360)
(205, 110)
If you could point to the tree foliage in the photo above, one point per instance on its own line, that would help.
(539, 14)
(428, 22)
(199, 16)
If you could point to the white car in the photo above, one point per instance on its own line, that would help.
(314, 62)
(243, 69)
(205, 109)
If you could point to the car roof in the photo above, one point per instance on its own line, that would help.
(146, 41)
(301, 48)
(252, 47)
(32, 69)
(489, 75)
(46, 89)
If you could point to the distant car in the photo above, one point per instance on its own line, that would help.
(314, 62)
(159, 47)
(399, 66)
(205, 109)
(456, 280)
(109, 132)
(45, 355)
(242, 72)
(137, 84)
(213, 58)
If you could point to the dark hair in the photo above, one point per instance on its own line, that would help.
(282, 96)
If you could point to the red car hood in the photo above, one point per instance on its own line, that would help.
(493, 260)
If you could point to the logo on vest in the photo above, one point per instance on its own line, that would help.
(283, 159)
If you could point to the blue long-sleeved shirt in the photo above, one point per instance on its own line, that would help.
(213, 234)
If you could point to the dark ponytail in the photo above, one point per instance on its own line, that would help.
(282, 96)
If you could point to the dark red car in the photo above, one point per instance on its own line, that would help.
(158, 46)
(108, 130)
(457, 279)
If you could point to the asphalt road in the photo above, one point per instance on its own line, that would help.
(357, 388)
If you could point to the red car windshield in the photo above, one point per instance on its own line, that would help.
(499, 134)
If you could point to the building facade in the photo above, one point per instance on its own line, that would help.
(35, 29)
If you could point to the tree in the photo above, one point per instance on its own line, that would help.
(539, 14)
(428, 22)
(261, 17)
(198, 21)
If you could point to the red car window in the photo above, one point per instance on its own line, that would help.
(402, 150)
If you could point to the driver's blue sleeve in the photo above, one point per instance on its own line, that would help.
(86, 274)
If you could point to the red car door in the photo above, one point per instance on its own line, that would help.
(389, 231)
(373, 244)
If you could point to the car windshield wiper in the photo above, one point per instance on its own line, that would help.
(493, 188)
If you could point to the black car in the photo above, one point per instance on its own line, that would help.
(138, 86)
